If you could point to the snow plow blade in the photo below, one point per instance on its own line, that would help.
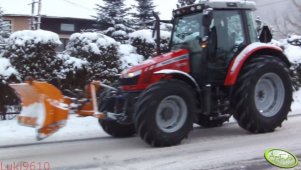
(45, 108)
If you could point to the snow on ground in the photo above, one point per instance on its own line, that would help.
(77, 128)
(296, 106)
(12, 133)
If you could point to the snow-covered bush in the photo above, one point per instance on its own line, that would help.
(33, 53)
(294, 40)
(101, 53)
(293, 54)
(146, 44)
(7, 71)
(129, 56)
(72, 73)
(119, 32)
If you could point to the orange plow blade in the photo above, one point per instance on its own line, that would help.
(43, 107)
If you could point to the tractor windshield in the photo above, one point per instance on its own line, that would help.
(187, 28)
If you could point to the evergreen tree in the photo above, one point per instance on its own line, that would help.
(144, 16)
(111, 13)
(4, 31)
(182, 3)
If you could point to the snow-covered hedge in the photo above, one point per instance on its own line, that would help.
(33, 53)
(101, 53)
(146, 44)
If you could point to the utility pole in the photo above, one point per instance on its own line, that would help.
(35, 22)
(33, 19)
(39, 14)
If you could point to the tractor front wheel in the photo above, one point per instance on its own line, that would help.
(164, 114)
(263, 94)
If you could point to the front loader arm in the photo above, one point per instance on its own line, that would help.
(45, 108)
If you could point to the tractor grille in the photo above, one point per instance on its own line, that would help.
(129, 81)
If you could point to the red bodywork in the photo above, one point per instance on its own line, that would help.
(179, 60)
(238, 62)
(176, 60)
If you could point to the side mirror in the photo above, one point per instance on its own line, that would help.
(265, 35)
(207, 17)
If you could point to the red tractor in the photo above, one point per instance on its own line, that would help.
(216, 68)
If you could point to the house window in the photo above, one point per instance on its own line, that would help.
(7, 26)
(67, 27)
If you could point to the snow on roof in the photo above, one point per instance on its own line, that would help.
(56, 8)
(83, 9)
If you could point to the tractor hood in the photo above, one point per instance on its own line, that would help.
(156, 63)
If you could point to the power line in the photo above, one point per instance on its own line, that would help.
(76, 4)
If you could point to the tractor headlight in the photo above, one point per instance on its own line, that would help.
(133, 74)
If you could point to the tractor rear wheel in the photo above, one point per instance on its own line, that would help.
(113, 127)
(263, 94)
(164, 114)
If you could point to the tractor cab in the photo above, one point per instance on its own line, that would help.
(213, 32)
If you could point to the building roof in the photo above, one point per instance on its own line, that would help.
(45, 16)
(52, 8)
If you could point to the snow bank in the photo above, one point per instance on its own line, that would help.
(6, 69)
(91, 42)
(129, 56)
(23, 38)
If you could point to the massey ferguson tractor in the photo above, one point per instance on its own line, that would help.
(216, 67)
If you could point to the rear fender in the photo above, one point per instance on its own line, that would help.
(252, 50)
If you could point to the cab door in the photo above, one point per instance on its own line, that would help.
(228, 35)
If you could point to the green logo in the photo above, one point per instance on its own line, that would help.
(281, 158)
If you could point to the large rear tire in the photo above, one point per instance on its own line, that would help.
(113, 127)
(164, 114)
(263, 94)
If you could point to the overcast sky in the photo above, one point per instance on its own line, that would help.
(75, 8)
(268, 10)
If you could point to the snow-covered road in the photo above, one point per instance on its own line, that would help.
(227, 147)
(82, 144)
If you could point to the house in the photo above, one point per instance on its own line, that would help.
(63, 26)
(63, 17)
